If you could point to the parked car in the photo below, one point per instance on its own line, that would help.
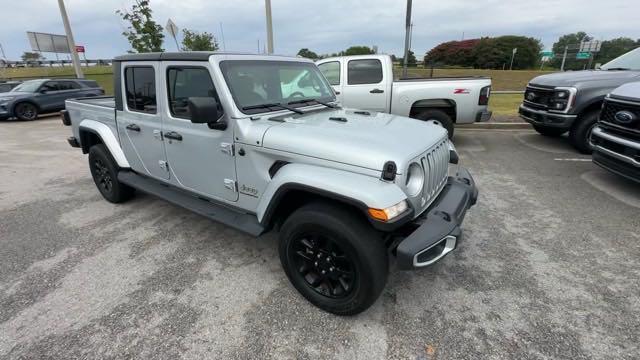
(570, 101)
(8, 85)
(616, 137)
(366, 82)
(31, 98)
(221, 135)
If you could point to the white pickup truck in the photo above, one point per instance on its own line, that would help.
(366, 82)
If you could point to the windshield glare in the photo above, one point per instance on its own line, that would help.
(257, 82)
(630, 60)
(28, 86)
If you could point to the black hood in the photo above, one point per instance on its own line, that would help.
(587, 78)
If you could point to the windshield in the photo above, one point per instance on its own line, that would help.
(28, 86)
(259, 82)
(628, 61)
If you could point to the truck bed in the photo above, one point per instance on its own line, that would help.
(441, 78)
(103, 101)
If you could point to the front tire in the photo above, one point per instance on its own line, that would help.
(437, 117)
(334, 258)
(26, 111)
(580, 133)
(549, 131)
(104, 171)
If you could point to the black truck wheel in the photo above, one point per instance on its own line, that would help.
(437, 117)
(549, 131)
(104, 171)
(26, 111)
(580, 133)
(334, 258)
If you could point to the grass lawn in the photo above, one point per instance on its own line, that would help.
(501, 104)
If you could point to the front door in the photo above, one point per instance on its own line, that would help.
(200, 159)
(331, 71)
(365, 85)
(140, 123)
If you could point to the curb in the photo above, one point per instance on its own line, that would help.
(496, 125)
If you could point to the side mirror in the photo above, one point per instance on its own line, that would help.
(204, 110)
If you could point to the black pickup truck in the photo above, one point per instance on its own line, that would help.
(570, 101)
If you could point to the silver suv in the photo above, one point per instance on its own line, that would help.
(259, 143)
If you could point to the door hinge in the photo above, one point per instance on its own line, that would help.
(163, 164)
(231, 185)
(227, 148)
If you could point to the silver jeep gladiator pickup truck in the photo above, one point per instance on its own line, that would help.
(224, 135)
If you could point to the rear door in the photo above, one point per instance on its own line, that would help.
(365, 86)
(332, 71)
(200, 159)
(140, 123)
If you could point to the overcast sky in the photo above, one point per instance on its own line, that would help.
(323, 26)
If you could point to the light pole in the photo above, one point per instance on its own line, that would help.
(70, 42)
(267, 5)
(407, 37)
(513, 55)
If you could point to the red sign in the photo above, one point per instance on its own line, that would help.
(79, 48)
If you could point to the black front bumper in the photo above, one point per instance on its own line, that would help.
(437, 231)
(545, 118)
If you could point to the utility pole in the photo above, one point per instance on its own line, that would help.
(267, 5)
(564, 57)
(513, 55)
(70, 42)
(407, 36)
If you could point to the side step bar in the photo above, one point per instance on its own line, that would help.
(240, 221)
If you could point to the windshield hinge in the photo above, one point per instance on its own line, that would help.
(227, 148)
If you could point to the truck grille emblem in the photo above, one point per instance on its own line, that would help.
(625, 117)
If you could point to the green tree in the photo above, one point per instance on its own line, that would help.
(31, 56)
(412, 59)
(144, 34)
(494, 53)
(195, 41)
(572, 40)
(358, 50)
(613, 48)
(306, 53)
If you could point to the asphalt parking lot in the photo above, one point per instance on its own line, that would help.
(548, 268)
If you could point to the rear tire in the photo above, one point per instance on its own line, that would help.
(580, 133)
(437, 117)
(549, 131)
(26, 111)
(104, 171)
(333, 257)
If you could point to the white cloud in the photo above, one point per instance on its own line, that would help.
(325, 26)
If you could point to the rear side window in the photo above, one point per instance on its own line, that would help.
(331, 71)
(140, 89)
(365, 71)
(68, 85)
(186, 82)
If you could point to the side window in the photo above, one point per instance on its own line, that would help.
(50, 86)
(68, 85)
(331, 71)
(365, 71)
(186, 82)
(140, 88)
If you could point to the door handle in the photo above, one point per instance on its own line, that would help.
(173, 136)
(376, 91)
(337, 92)
(133, 127)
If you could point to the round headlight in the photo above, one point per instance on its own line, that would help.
(415, 179)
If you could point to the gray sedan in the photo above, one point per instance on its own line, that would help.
(34, 97)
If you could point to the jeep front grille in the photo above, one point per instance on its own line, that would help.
(435, 164)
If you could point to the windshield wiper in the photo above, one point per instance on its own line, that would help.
(618, 68)
(266, 106)
(309, 100)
